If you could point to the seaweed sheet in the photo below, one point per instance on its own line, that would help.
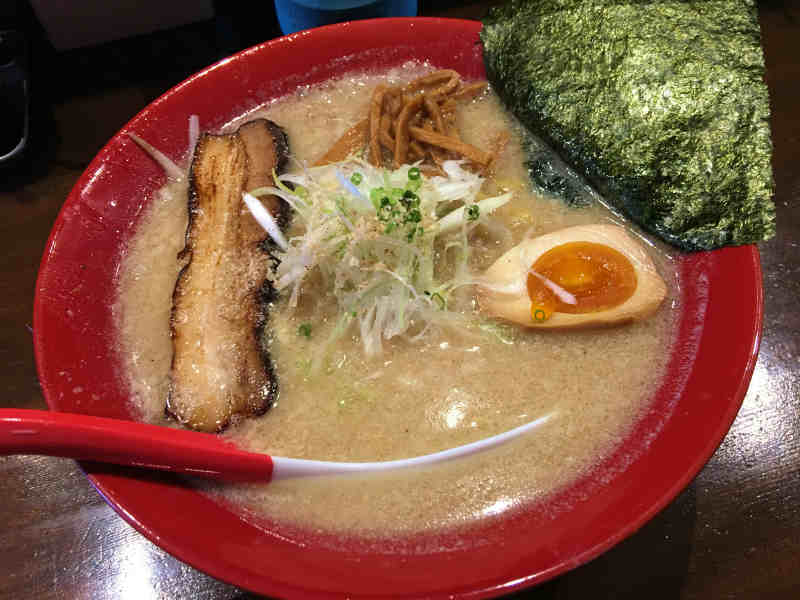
(661, 105)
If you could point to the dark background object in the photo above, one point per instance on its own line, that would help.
(14, 99)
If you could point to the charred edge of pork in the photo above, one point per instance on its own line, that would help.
(266, 295)
(284, 212)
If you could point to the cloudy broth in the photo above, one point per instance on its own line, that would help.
(451, 388)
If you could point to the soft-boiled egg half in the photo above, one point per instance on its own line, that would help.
(582, 276)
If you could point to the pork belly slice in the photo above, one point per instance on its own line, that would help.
(220, 367)
(267, 141)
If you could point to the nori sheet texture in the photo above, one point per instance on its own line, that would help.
(661, 105)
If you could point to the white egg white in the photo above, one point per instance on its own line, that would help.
(503, 292)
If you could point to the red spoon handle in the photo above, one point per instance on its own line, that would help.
(119, 442)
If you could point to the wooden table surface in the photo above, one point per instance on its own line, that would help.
(733, 533)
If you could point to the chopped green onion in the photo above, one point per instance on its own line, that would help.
(437, 297)
(473, 212)
(379, 260)
(453, 219)
(413, 216)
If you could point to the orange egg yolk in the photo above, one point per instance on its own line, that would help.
(598, 276)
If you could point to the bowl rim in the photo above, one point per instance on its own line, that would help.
(113, 484)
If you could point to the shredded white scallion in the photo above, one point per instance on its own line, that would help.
(194, 135)
(370, 234)
(266, 220)
(172, 170)
(455, 218)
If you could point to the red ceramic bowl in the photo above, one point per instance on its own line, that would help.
(708, 373)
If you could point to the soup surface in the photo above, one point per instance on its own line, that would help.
(450, 388)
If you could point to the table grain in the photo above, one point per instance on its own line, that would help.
(733, 533)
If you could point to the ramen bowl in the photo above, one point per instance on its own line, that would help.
(690, 411)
